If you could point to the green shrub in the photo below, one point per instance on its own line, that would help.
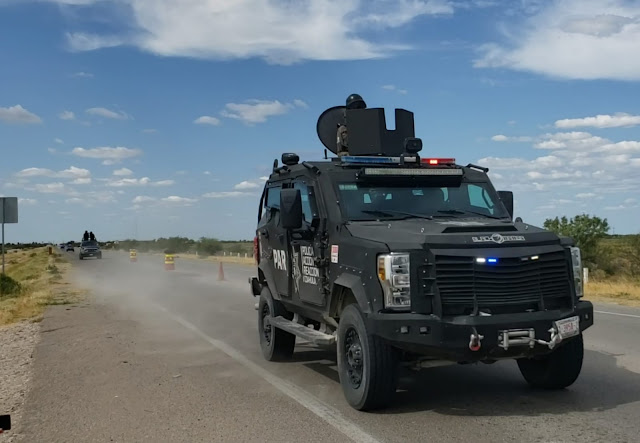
(9, 287)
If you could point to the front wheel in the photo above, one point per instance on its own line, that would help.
(368, 365)
(557, 370)
(276, 344)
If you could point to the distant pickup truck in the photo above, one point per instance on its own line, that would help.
(90, 248)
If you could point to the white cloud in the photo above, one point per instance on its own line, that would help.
(107, 113)
(51, 188)
(35, 172)
(144, 181)
(59, 141)
(246, 185)
(109, 155)
(82, 74)
(207, 172)
(278, 31)
(143, 199)
(130, 182)
(207, 120)
(67, 115)
(52, 150)
(149, 131)
(80, 41)
(176, 199)
(504, 138)
(18, 114)
(228, 194)
(72, 172)
(576, 39)
(394, 88)
(163, 183)
(586, 195)
(122, 172)
(264, 178)
(600, 121)
(81, 181)
(258, 111)
(27, 201)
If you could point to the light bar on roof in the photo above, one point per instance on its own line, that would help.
(375, 159)
(438, 161)
(411, 171)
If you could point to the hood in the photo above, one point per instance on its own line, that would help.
(451, 233)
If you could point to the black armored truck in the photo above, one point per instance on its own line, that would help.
(398, 259)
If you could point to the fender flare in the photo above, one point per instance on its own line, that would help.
(271, 282)
(355, 285)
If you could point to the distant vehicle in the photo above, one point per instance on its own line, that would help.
(90, 248)
(69, 247)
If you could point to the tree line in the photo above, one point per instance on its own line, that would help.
(603, 254)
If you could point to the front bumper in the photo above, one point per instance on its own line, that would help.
(90, 253)
(449, 337)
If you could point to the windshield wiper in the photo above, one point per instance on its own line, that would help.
(458, 211)
(390, 213)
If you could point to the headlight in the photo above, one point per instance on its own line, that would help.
(576, 263)
(393, 272)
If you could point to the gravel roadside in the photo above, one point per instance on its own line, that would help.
(17, 343)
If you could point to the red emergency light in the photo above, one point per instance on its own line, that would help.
(438, 161)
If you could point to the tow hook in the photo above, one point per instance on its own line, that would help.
(475, 341)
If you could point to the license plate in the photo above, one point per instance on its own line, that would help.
(568, 327)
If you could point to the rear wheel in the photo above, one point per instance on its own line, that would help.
(557, 370)
(367, 364)
(276, 344)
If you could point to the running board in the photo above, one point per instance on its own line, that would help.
(311, 335)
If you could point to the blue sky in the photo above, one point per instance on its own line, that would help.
(141, 119)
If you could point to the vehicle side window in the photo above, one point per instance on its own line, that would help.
(273, 198)
(308, 203)
(479, 198)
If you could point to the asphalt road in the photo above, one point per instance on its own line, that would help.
(193, 371)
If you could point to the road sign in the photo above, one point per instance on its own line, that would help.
(8, 214)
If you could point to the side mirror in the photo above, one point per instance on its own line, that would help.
(507, 200)
(290, 208)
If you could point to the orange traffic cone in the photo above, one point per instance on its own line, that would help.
(220, 273)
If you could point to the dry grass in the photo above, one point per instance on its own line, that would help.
(625, 292)
(42, 277)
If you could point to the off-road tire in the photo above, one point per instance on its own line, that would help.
(276, 344)
(379, 363)
(557, 370)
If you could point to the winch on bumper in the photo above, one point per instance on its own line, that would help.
(484, 337)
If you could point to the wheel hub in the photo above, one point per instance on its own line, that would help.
(266, 324)
(353, 356)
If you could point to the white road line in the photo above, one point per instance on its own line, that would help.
(617, 313)
(322, 410)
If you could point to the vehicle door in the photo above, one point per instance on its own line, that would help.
(273, 247)
(309, 264)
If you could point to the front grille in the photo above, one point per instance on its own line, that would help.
(509, 286)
